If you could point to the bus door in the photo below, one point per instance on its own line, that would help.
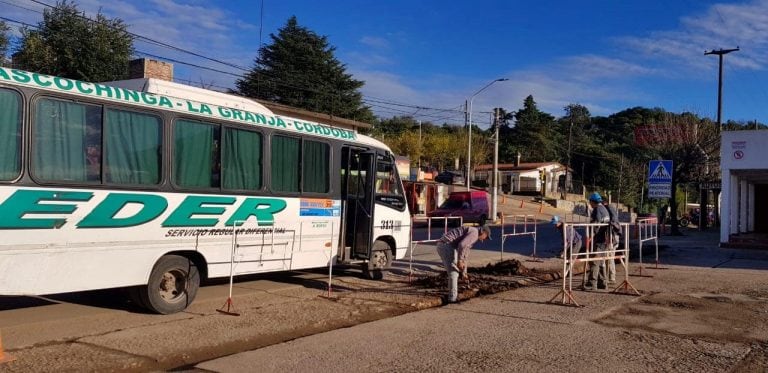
(357, 196)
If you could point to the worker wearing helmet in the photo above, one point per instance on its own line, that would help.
(597, 268)
(571, 239)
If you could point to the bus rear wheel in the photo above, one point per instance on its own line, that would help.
(381, 259)
(172, 285)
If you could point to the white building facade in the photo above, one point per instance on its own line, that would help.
(744, 211)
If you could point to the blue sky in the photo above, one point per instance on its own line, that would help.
(419, 56)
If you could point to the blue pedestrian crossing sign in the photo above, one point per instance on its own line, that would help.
(660, 179)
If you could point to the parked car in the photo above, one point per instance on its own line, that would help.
(471, 206)
(450, 178)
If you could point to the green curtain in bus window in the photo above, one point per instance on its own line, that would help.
(285, 164)
(193, 159)
(132, 145)
(60, 138)
(315, 167)
(10, 134)
(241, 160)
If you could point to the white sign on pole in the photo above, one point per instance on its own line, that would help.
(660, 179)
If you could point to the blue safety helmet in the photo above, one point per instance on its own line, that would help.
(595, 197)
(555, 220)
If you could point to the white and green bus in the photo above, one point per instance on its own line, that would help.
(155, 186)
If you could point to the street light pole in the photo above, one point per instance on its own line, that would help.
(495, 194)
(468, 118)
(720, 53)
(419, 163)
(703, 202)
(567, 168)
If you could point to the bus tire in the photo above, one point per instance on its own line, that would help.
(172, 285)
(381, 259)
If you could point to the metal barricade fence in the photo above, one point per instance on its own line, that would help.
(522, 225)
(573, 257)
(265, 238)
(647, 230)
(446, 220)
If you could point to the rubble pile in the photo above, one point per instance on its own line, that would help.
(491, 279)
(511, 267)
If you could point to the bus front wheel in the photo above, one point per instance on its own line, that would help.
(381, 259)
(172, 285)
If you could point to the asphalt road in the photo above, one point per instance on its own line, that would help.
(706, 316)
(102, 330)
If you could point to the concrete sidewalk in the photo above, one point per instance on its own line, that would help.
(691, 317)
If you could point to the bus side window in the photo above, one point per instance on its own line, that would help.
(64, 130)
(195, 154)
(133, 146)
(241, 162)
(10, 135)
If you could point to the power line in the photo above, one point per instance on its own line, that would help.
(154, 41)
(366, 99)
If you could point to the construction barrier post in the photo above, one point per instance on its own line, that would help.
(429, 239)
(647, 230)
(571, 257)
(4, 358)
(527, 227)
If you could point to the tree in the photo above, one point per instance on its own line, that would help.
(441, 149)
(692, 143)
(68, 44)
(4, 40)
(394, 125)
(405, 144)
(299, 69)
(533, 135)
(572, 129)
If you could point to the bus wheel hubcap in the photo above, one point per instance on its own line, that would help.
(379, 259)
(172, 285)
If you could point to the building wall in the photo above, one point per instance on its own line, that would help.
(743, 164)
(527, 181)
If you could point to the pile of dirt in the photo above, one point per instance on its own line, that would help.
(511, 267)
(491, 279)
(476, 285)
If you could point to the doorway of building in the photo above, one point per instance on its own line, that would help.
(761, 213)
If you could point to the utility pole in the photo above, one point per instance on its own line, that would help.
(720, 53)
(621, 178)
(468, 123)
(642, 188)
(495, 194)
(568, 167)
(468, 120)
(419, 162)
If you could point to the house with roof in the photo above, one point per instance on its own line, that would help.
(526, 178)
